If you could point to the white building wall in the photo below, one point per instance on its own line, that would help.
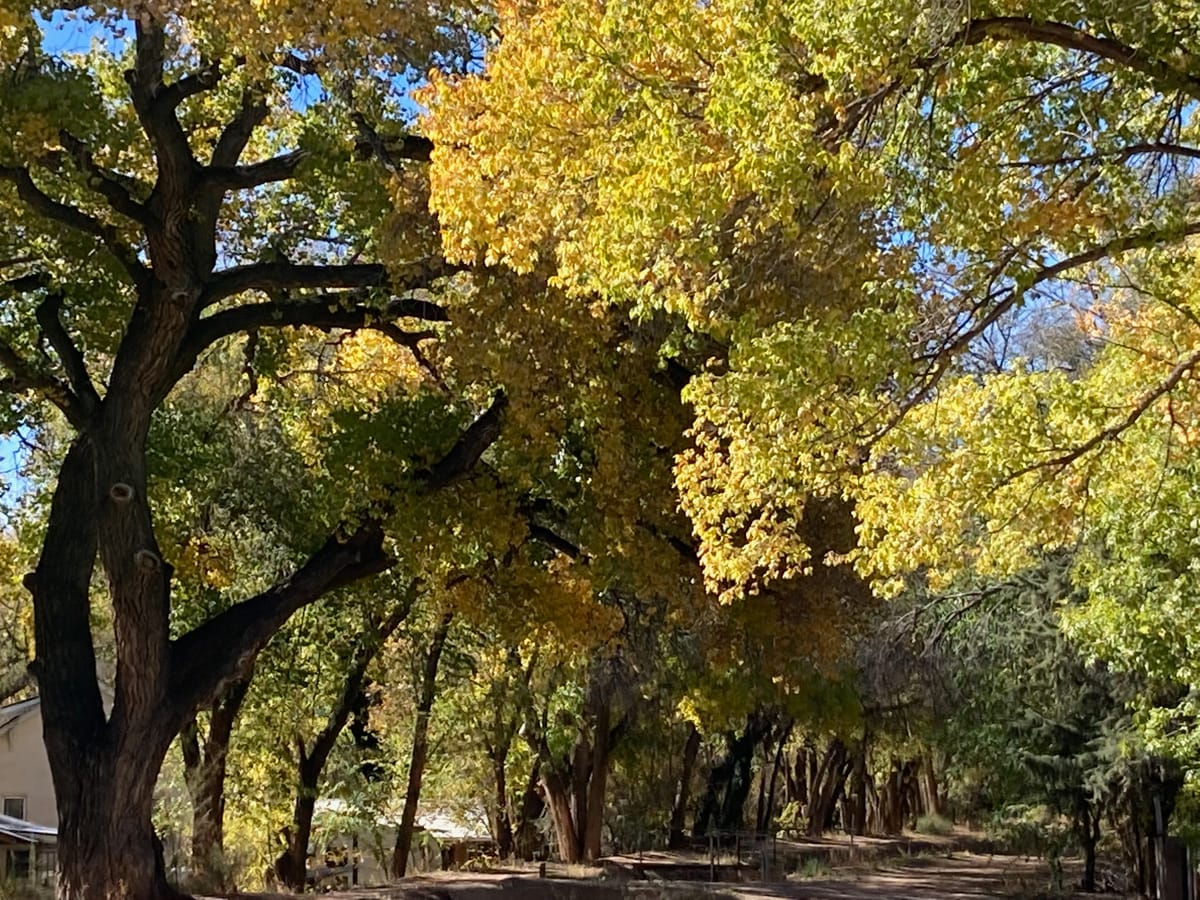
(25, 771)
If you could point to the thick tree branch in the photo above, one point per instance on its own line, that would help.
(325, 312)
(104, 182)
(24, 377)
(465, 453)
(45, 205)
(212, 654)
(237, 134)
(1069, 37)
(235, 178)
(155, 107)
(389, 150)
(277, 277)
(209, 656)
(49, 319)
(203, 79)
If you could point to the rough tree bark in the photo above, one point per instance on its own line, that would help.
(181, 303)
(575, 785)
(204, 771)
(291, 867)
(420, 746)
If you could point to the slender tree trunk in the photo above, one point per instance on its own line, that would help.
(502, 829)
(826, 787)
(291, 867)
(763, 824)
(204, 771)
(420, 747)
(593, 824)
(691, 749)
(931, 797)
(528, 837)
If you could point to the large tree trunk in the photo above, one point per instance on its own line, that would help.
(204, 771)
(558, 798)
(105, 768)
(691, 749)
(420, 746)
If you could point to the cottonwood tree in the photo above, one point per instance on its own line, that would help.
(169, 190)
(860, 201)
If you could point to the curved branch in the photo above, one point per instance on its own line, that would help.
(942, 358)
(103, 181)
(213, 653)
(1185, 366)
(45, 205)
(203, 79)
(49, 318)
(152, 101)
(237, 133)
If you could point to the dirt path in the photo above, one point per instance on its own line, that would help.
(962, 876)
(958, 876)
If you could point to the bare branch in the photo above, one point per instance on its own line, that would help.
(944, 356)
(1112, 432)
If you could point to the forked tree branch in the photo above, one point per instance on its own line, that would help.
(65, 214)
(104, 182)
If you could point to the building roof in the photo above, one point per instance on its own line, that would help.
(14, 712)
(18, 831)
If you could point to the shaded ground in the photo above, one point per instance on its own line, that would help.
(957, 876)
(961, 876)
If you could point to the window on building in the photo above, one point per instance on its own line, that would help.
(18, 863)
(15, 807)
